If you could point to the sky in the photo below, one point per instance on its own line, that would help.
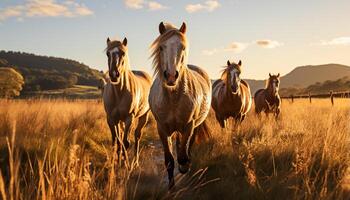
(269, 36)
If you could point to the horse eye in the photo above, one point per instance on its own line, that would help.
(160, 48)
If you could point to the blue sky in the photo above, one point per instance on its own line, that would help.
(268, 36)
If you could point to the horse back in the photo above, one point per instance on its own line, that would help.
(258, 93)
(200, 72)
(142, 75)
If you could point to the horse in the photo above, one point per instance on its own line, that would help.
(231, 95)
(180, 97)
(268, 99)
(125, 96)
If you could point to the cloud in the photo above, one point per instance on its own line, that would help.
(269, 44)
(337, 41)
(45, 8)
(208, 6)
(152, 5)
(134, 4)
(237, 47)
(140, 4)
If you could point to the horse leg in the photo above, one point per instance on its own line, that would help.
(242, 118)
(277, 113)
(221, 121)
(168, 157)
(184, 150)
(129, 122)
(112, 126)
(138, 133)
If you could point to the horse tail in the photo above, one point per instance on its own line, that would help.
(202, 132)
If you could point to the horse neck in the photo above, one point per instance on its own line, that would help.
(270, 92)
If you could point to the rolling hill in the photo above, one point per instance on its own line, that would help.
(304, 76)
(49, 73)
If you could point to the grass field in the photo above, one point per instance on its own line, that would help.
(60, 149)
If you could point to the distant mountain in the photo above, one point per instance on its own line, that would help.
(304, 76)
(48, 73)
(339, 85)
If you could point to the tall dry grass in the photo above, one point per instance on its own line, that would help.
(60, 149)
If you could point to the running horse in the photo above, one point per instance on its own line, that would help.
(231, 95)
(125, 96)
(268, 100)
(180, 97)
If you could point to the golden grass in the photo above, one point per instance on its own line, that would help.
(60, 149)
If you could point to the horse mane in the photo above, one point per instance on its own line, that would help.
(155, 52)
(113, 44)
(227, 69)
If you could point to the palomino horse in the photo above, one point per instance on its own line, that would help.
(268, 99)
(180, 96)
(231, 95)
(125, 95)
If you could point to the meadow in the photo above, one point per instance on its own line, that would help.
(61, 149)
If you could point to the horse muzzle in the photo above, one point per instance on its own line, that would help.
(114, 75)
(234, 89)
(171, 78)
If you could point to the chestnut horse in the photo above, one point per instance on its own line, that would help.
(125, 95)
(268, 100)
(231, 95)
(180, 96)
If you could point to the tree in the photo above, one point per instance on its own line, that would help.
(11, 82)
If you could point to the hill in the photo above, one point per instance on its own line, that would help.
(49, 73)
(339, 85)
(304, 76)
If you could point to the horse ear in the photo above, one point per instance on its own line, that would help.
(108, 40)
(183, 28)
(240, 63)
(125, 41)
(270, 74)
(162, 28)
(278, 75)
(228, 63)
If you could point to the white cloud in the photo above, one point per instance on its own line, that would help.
(140, 4)
(337, 41)
(237, 47)
(153, 5)
(134, 4)
(208, 6)
(45, 8)
(269, 44)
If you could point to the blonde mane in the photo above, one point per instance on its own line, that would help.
(113, 44)
(227, 69)
(155, 52)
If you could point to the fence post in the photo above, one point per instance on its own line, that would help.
(332, 98)
(292, 97)
(310, 97)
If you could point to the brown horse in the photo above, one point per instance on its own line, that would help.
(180, 96)
(125, 95)
(268, 100)
(231, 95)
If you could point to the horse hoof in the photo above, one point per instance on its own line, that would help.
(184, 168)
